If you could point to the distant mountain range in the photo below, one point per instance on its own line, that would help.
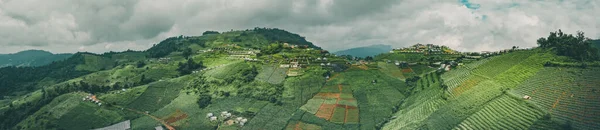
(365, 51)
(30, 58)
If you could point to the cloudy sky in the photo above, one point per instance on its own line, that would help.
(115, 25)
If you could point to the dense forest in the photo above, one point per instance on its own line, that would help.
(20, 78)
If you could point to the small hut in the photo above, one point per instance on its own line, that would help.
(526, 97)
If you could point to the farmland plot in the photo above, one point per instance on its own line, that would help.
(502, 113)
(156, 96)
(568, 94)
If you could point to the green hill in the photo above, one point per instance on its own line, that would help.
(365, 51)
(270, 79)
(31, 58)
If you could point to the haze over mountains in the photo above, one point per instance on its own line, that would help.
(30, 58)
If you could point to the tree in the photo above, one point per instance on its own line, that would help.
(272, 49)
(140, 64)
(204, 100)
(210, 32)
(186, 68)
(577, 47)
(187, 52)
(368, 58)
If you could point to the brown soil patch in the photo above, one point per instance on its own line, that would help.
(325, 111)
(465, 86)
(409, 70)
(363, 67)
(176, 116)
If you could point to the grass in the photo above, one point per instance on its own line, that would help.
(312, 105)
(352, 116)
(271, 74)
(156, 96)
(391, 70)
(339, 115)
(88, 116)
(120, 97)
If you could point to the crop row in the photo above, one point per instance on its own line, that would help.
(569, 94)
(522, 71)
(501, 63)
(503, 113)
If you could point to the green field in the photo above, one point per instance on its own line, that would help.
(503, 113)
(272, 74)
(156, 96)
(566, 93)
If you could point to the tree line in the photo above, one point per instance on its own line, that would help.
(576, 46)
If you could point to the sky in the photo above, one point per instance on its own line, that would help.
(68, 26)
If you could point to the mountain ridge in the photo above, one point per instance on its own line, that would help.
(31, 58)
(365, 51)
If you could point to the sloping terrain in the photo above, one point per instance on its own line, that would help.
(243, 80)
(31, 58)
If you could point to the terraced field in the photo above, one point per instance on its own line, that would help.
(271, 74)
(501, 63)
(419, 106)
(568, 94)
(503, 113)
(391, 69)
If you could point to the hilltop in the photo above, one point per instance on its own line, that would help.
(365, 51)
(30, 58)
(272, 79)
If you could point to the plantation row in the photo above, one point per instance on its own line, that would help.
(524, 70)
(569, 94)
(502, 63)
(420, 105)
(503, 113)
(464, 105)
(410, 118)
(270, 117)
(478, 63)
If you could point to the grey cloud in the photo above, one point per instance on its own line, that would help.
(99, 26)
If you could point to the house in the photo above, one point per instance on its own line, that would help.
(125, 125)
(322, 64)
(243, 121)
(209, 115)
(526, 97)
(284, 66)
(159, 128)
(238, 119)
(213, 118)
(295, 65)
